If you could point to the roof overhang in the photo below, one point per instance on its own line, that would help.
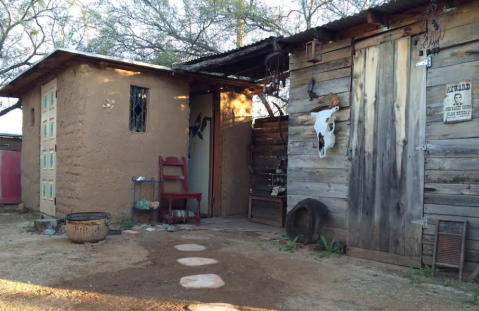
(50, 65)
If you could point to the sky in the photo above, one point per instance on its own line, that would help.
(11, 122)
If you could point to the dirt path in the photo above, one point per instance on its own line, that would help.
(142, 274)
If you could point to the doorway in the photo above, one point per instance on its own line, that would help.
(48, 148)
(387, 172)
(199, 150)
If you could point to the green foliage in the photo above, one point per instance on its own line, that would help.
(290, 246)
(417, 276)
(126, 222)
(475, 299)
(29, 226)
(330, 249)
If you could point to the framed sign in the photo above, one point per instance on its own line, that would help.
(458, 102)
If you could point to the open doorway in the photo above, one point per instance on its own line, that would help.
(199, 150)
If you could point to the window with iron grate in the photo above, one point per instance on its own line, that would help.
(138, 103)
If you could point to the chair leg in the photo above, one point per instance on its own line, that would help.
(198, 217)
(170, 213)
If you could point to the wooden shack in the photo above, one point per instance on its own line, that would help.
(397, 166)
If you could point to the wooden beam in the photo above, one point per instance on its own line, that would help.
(396, 21)
(391, 36)
(376, 18)
(227, 59)
(389, 258)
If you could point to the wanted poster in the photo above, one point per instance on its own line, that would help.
(458, 102)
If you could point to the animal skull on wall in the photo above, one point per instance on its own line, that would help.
(324, 127)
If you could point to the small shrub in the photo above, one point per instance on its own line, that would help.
(330, 249)
(126, 222)
(290, 246)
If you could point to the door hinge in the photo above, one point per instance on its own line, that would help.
(56, 93)
(55, 147)
(427, 62)
(212, 200)
(55, 201)
(426, 147)
(422, 222)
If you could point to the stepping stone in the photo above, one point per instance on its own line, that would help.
(196, 261)
(190, 247)
(195, 237)
(202, 281)
(211, 307)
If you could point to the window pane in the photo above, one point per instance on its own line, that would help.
(138, 103)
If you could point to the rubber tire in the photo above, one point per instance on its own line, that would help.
(316, 211)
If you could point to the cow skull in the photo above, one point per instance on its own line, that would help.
(324, 127)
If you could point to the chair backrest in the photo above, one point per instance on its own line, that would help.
(172, 161)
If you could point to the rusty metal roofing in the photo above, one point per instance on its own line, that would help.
(217, 55)
(49, 65)
(394, 6)
(46, 66)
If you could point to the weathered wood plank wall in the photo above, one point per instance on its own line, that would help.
(266, 148)
(451, 189)
(309, 176)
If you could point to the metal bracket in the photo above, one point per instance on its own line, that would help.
(426, 147)
(422, 222)
(427, 62)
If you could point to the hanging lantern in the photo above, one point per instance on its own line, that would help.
(313, 51)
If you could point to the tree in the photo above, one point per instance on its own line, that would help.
(28, 28)
(164, 32)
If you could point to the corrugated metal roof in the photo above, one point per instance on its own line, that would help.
(47, 64)
(395, 6)
(217, 55)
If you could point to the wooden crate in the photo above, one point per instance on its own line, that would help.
(267, 210)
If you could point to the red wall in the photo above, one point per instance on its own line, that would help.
(10, 174)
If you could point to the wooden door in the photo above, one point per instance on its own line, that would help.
(387, 173)
(48, 148)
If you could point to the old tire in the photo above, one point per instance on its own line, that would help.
(305, 218)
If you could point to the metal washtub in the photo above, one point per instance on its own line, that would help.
(87, 227)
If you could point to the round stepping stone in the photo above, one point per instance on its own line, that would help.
(190, 247)
(196, 261)
(202, 281)
(195, 237)
(211, 307)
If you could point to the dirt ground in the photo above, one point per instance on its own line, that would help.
(50, 273)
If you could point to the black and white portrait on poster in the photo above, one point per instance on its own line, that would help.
(458, 102)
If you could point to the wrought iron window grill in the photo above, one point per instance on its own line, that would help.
(138, 102)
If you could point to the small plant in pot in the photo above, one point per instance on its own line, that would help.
(334, 248)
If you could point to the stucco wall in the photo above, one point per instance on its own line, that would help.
(235, 141)
(14, 143)
(72, 100)
(31, 149)
(110, 153)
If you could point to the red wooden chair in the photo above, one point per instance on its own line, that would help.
(171, 196)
